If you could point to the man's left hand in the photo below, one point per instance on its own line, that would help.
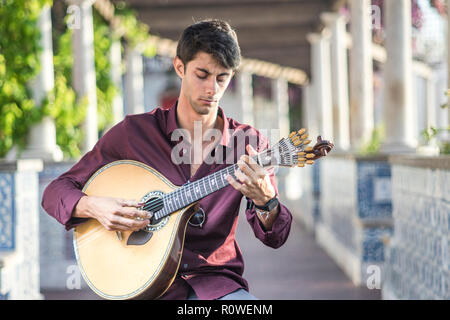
(254, 181)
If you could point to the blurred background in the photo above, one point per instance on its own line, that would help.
(371, 220)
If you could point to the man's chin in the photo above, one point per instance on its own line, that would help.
(205, 109)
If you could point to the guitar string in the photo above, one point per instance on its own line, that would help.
(175, 195)
(189, 188)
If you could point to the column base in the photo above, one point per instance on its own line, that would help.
(48, 155)
(428, 150)
(42, 142)
(397, 147)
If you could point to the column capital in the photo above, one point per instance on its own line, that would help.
(330, 18)
(315, 37)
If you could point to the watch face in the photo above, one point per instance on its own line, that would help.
(273, 203)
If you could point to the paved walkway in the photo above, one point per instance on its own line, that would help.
(300, 269)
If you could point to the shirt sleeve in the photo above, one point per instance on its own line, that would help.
(281, 226)
(279, 233)
(62, 195)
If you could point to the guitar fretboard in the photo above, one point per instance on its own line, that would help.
(194, 191)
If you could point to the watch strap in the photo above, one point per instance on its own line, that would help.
(270, 205)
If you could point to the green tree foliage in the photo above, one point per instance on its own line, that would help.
(19, 65)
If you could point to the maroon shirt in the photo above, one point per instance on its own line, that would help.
(212, 263)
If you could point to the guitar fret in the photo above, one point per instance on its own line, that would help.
(206, 186)
(202, 186)
(183, 197)
(209, 182)
(198, 191)
(177, 203)
(222, 177)
(169, 203)
(195, 191)
(188, 193)
(214, 182)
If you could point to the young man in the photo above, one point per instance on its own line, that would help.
(212, 265)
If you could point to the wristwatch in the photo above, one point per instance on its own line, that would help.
(269, 206)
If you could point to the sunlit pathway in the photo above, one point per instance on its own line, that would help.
(300, 269)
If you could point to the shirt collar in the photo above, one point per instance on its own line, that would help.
(172, 124)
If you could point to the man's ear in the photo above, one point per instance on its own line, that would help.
(178, 65)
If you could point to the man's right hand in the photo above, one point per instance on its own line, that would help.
(113, 213)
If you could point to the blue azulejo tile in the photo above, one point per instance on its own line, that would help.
(4, 296)
(373, 246)
(7, 209)
(374, 190)
(316, 177)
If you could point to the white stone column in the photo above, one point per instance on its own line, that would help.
(431, 148)
(339, 84)
(307, 95)
(116, 77)
(245, 94)
(42, 136)
(361, 74)
(134, 82)
(448, 61)
(83, 72)
(309, 110)
(280, 96)
(399, 113)
(321, 77)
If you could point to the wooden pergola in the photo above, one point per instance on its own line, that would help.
(272, 33)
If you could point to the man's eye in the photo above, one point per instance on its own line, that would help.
(201, 77)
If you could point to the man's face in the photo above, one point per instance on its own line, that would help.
(204, 82)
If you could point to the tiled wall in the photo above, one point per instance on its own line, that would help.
(19, 230)
(7, 218)
(355, 213)
(56, 257)
(417, 264)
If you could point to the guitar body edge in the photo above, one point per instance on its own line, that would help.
(112, 268)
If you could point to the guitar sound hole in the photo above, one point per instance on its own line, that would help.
(154, 204)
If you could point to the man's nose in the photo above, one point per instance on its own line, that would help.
(212, 87)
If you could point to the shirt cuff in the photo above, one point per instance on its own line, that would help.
(281, 226)
(68, 206)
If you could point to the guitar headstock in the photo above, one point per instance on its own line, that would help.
(298, 150)
(294, 151)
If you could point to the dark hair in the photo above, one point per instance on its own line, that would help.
(211, 36)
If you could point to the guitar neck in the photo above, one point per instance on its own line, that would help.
(288, 152)
(194, 191)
